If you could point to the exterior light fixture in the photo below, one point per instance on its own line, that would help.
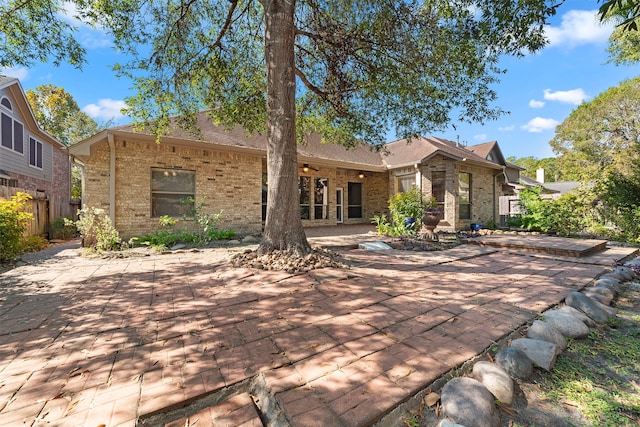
(361, 175)
(305, 168)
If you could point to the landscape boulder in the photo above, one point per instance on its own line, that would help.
(515, 362)
(495, 379)
(541, 353)
(588, 306)
(466, 401)
(543, 331)
(569, 326)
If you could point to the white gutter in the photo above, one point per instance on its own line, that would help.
(112, 178)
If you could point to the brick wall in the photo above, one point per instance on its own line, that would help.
(375, 193)
(483, 196)
(60, 184)
(228, 181)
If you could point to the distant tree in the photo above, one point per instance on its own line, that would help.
(601, 136)
(59, 114)
(532, 164)
(349, 69)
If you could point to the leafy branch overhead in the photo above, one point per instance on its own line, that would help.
(364, 68)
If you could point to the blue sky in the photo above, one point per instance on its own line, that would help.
(540, 90)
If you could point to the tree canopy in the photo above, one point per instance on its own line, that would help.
(601, 136)
(58, 113)
(532, 164)
(349, 69)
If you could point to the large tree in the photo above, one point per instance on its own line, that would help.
(59, 114)
(350, 69)
(601, 136)
(624, 42)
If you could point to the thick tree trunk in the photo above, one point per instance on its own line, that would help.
(283, 227)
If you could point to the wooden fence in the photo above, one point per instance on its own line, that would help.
(45, 209)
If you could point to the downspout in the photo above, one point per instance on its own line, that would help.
(496, 215)
(112, 178)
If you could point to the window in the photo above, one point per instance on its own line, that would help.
(321, 198)
(354, 200)
(12, 131)
(305, 197)
(172, 192)
(406, 182)
(6, 123)
(438, 189)
(35, 153)
(464, 195)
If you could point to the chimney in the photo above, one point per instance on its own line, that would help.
(540, 175)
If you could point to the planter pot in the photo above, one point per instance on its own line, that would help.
(430, 220)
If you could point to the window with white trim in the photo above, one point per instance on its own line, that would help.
(35, 153)
(172, 192)
(11, 130)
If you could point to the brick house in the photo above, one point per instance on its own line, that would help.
(31, 160)
(137, 180)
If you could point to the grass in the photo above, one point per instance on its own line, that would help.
(599, 375)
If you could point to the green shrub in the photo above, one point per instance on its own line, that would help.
(63, 228)
(382, 225)
(97, 230)
(408, 204)
(13, 222)
(570, 214)
(34, 243)
(536, 211)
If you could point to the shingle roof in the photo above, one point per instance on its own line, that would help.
(404, 152)
(237, 137)
(483, 149)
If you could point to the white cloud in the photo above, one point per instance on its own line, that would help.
(19, 73)
(574, 96)
(480, 137)
(539, 124)
(506, 128)
(534, 103)
(90, 37)
(579, 27)
(105, 109)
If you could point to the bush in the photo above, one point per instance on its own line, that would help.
(63, 228)
(97, 230)
(408, 204)
(166, 237)
(537, 212)
(34, 243)
(13, 222)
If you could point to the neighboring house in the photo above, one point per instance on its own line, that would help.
(137, 180)
(31, 160)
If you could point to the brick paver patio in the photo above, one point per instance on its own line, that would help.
(116, 341)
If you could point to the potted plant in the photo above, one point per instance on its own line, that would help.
(431, 214)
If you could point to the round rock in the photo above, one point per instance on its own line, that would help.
(515, 362)
(543, 331)
(591, 308)
(625, 272)
(602, 299)
(495, 379)
(541, 353)
(567, 325)
(469, 403)
(578, 314)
